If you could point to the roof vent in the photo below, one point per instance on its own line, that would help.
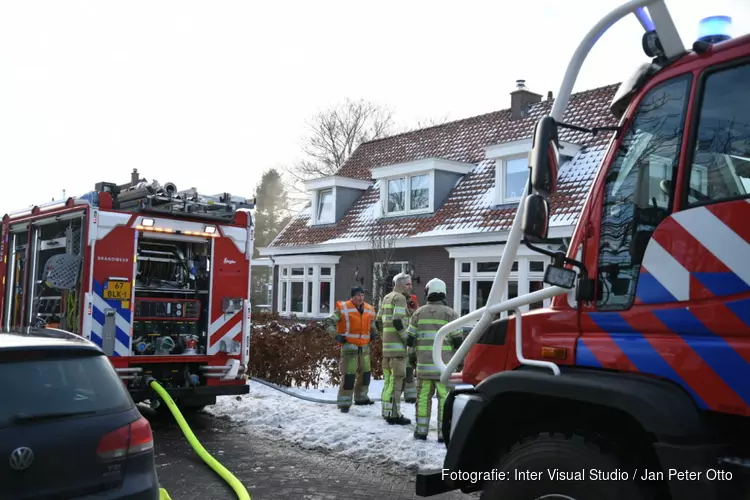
(549, 95)
(520, 84)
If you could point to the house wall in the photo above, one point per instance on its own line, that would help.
(356, 268)
(427, 262)
(471, 265)
(348, 265)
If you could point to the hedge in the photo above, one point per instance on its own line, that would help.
(297, 353)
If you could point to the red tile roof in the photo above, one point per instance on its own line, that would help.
(468, 208)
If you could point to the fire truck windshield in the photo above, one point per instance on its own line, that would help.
(636, 192)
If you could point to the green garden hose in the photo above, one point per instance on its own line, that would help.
(227, 476)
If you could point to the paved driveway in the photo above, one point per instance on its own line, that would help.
(270, 470)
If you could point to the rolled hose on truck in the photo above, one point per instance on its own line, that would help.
(228, 477)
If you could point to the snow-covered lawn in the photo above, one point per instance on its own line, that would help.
(360, 434)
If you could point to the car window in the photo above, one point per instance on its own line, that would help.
(721, 160)
(71, 384)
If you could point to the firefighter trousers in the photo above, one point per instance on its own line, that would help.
(410, 385)
(426, 390)
(355, 370)
(394, 373)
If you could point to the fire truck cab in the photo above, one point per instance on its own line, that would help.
(156, 277)
(635, 382)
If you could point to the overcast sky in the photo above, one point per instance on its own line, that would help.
(210, 94)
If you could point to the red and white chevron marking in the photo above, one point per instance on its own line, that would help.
(226, 327)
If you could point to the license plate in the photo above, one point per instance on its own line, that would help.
(117, 290)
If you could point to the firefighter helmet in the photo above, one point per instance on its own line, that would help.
(435, 285)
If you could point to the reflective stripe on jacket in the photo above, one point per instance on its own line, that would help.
(352, 324)
(423, 328)
(393, 307)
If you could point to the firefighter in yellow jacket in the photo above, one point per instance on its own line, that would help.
(352, 324)
(410, 382)
(395, 322)
(423, 327)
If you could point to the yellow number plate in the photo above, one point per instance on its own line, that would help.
(117, 290)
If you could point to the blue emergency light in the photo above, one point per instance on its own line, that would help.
(714, 29)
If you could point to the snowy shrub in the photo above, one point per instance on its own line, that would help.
(292, 353)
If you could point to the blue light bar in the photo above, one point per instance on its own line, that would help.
(714, 29)
(644, 19)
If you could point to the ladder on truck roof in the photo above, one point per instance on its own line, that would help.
(153, 198)
(141, 196)
(661, 33)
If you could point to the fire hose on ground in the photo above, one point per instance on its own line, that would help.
(299, 396)
(228, 477)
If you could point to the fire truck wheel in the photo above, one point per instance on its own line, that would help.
(559, 467)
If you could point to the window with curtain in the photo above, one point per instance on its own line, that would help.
(306, 290)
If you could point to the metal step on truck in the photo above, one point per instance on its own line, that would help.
(635, 382)
(158, 278)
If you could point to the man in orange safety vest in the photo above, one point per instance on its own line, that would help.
(352, 324)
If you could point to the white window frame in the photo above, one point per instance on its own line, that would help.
(492, 253)
(502, 153)
(315, 186)
(384, 182)
(501, 167)
(523, 277)
(316, 197)
(285, 280)
(375, 268)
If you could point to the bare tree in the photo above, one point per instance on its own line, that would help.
(383, 248)
(426, 123)
(334, 134)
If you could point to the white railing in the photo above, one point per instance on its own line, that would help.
(658, 18)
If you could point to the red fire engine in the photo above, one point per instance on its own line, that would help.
(158, 278)
(635, 383)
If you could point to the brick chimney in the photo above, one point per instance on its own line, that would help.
(521, 99)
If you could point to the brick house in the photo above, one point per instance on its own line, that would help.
(435, 202)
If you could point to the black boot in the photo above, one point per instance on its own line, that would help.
(420, 436)
(441, 440)
(344, 409)
(398, 420)
(365, 402)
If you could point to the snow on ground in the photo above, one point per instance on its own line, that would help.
(360, 434)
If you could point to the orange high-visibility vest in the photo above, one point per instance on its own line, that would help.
(353, 325)
(413, 304)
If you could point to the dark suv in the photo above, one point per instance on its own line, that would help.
(68, 427)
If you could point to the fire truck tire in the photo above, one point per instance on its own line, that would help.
(539, 455)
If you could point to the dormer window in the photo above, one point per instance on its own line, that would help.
(516, 170)
(410, 194)
(331, 197)
(417, 187)
(512, 167)
(419, 192)
(326, 206)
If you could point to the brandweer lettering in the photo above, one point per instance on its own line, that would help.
(112, 259)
